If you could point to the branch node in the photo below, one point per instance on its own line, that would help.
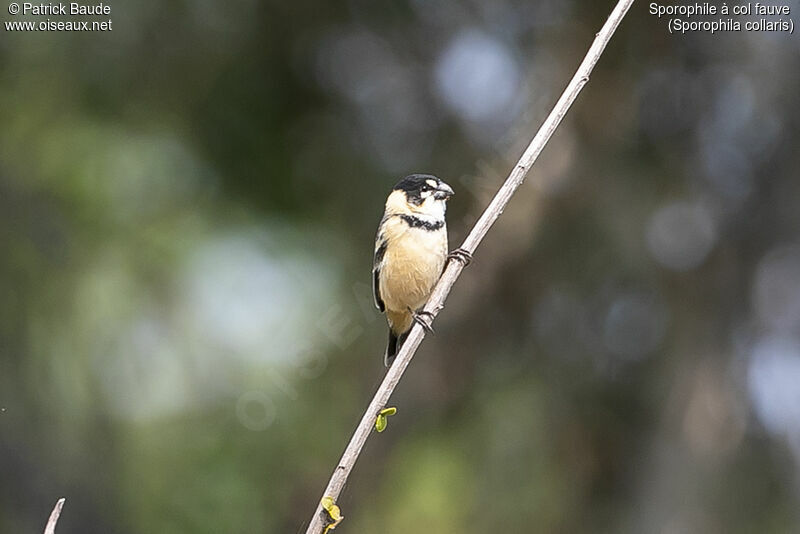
(335, 514)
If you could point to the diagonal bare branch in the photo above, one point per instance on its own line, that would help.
(54, 515)
(454, 268)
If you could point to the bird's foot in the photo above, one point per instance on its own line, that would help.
(461, 255)
(424, 319)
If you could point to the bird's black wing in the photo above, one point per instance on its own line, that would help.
(380, 250)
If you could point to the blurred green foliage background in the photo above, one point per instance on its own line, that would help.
(187, 213)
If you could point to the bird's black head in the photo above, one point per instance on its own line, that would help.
(419, 187)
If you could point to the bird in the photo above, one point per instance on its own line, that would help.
(410, 254)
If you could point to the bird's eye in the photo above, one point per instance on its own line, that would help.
(425, 188)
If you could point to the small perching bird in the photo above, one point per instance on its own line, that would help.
(410, 253)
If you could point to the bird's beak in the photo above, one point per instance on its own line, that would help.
(444, 191)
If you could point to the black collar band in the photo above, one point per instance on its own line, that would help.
(416, 222)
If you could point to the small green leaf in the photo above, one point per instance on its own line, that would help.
(327, 503)
(335, 513)
(380, 423)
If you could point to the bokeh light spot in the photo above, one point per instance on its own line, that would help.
(680, 235)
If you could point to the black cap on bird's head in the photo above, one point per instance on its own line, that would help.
(419, 187)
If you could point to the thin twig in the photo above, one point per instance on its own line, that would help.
(54, 515)
(454, 268)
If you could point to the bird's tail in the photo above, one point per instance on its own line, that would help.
(398, 322)
(391, 349)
